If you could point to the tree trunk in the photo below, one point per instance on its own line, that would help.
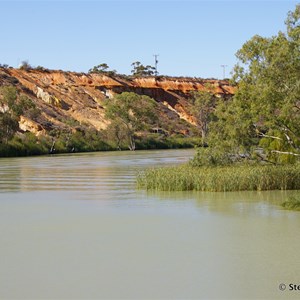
(131, 143)
(52, 147)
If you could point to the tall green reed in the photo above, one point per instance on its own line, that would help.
(222, 178)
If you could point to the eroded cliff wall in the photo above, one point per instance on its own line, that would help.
(80, 97)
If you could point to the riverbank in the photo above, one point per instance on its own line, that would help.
(30, 145)
(221, 179)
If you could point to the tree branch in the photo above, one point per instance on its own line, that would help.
(283, 152)
(269, 136)
(291, 131)
(265, 160)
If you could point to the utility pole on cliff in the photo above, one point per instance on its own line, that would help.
(156, 62)
(224, 66)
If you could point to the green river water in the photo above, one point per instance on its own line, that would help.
(75, 227)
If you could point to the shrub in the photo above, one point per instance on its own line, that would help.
(210, 157)
(25, 65)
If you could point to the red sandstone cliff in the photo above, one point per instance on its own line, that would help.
(61, 95)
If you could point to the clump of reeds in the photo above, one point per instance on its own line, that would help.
(293, 203)
(222, 178)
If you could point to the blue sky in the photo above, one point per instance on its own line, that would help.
(192, 38)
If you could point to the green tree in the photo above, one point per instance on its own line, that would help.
(116, 131)
(28, 108)
(12, 106)
(141, 70)
(9, 126)
(99, 68)
(203, 105)
(265, 111)
(129, 112)
(9, 113)
(25, 65)
(102, 69)
(5, 66)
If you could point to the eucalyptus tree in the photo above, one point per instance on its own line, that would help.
(103, 69)
(129, 113)
(265, 111)
(203, 106)
(141, 70)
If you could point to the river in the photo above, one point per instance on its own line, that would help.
(75, 227)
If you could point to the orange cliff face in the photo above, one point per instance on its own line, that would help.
(80, 97)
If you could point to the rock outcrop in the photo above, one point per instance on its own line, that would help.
(79, 97)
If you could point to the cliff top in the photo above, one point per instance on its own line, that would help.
(59, 77)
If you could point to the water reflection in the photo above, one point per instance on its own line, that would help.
(259, 203)
(82, 172)
(110, 176)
